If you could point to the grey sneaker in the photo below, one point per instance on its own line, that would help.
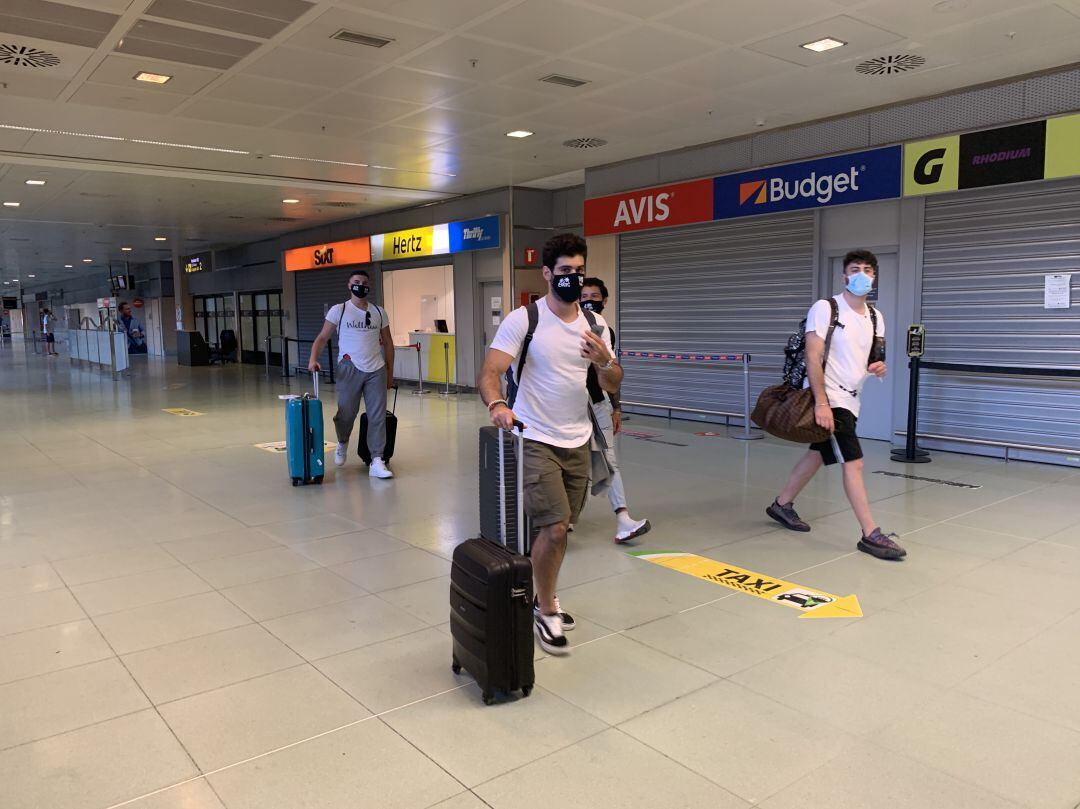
(883, 546)
(787, 516)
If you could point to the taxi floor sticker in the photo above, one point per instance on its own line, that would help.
(811, 603)
(279, 446)
(182, 411)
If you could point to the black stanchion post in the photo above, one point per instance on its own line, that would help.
(911, 452)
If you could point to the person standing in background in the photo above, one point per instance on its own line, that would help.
(133, 328)
(47, 327)
(594, 297)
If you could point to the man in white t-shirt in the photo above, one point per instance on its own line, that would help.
(365, 364)
(854, 353)
(553, 403)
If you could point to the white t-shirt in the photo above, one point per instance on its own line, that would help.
(552, 399)
(358, 334)
(849, 353)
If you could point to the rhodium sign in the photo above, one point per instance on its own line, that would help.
(664, 206)
(858, 177)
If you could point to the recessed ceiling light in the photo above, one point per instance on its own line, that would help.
(519, 133)
(35, 182)
(152, 78)
(290, 201)
(126, 249)
(68, 266)
(822, 45)
(12, 204)
(87, 260)
(31, 276)
(160, 238)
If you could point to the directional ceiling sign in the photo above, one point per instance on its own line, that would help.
(811, 602)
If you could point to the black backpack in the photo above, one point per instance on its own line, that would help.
(513, 379)
(795, 351)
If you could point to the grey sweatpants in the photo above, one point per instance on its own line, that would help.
(352, 385)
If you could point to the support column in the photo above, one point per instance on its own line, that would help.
(185, 307)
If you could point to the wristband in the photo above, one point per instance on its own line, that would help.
(497, 402)
(607, 366)
(823, 404)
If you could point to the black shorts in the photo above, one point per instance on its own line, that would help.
(844, 432)
(50, 338)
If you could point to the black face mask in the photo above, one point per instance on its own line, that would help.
(359, 290)
(567, 287)
(596, 307)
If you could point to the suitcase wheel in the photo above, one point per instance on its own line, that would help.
(455, 667)
(296, 481)
(318, 480)
(526, 690)
(489, 698)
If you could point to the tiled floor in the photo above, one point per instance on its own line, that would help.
(182, 629)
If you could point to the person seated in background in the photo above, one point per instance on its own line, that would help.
(133, 328)
(594, 297)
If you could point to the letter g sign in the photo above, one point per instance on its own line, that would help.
(931, 166)
(928, 167)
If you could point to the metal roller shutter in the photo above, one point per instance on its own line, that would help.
(985, 256)
(719, 288)
(317, 290)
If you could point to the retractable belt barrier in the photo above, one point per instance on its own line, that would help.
(748, 433)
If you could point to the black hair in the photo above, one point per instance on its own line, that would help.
(595, 282)
(860, 257)
(564, 244)
(362, 272)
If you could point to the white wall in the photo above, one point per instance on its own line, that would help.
(403, 291)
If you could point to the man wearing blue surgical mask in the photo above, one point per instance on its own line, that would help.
(836, 375)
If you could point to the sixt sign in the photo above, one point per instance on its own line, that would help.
(474, 234)
(858, 177)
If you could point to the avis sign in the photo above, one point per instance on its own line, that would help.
(664, 206)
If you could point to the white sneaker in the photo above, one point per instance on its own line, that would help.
(628, 529)
(379, 469)
(340, 454)
(549, 633)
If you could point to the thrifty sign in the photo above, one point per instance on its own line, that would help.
(810, 602)
(182, 411)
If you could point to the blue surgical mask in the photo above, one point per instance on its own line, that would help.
(860, 284)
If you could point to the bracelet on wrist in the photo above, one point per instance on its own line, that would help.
(496, 403)
(823, 404)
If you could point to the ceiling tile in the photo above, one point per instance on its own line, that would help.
(455, 58)
(726, 68)
(17, 28)
(496, 100)
(438, 13)
(762, 18)
(214, 16)
(405, 138)
(325, 125)
(446, 122)
(176, 53)
(230, 112)
(363, 108)
(410, 85)
(861, 38)
(1018, 31)
(641, 50)
(121, 71)
(317, 35)
(531, 25)
(596, 76)
(636, 8)
(304, 66)
(150, 31)
(270, 93)
(125, 98)
(921, 18)
(643, 94)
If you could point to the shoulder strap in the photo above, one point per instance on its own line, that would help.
(533, 312)
(834, 320)
(589, 316)
(342, 316)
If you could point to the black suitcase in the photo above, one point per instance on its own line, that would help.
(499, 513)
(491, 597)
(391, 435)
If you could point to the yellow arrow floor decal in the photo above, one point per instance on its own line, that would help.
(810, 602)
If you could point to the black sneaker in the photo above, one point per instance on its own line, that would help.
(787, 516)
(568, 622)
(883, 546)
(549, 633)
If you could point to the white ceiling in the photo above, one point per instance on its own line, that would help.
(297, 114)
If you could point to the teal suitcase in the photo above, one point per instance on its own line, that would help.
(304, 438)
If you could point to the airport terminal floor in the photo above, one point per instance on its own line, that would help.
(182, 629)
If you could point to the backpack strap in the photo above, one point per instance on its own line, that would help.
(589, 316)
(533, 312)
(834, 321)
(343, 307)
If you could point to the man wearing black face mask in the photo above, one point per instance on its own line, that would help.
(364, 370)
(552, 402)
(594, 296)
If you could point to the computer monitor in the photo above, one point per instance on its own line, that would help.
(440, 326)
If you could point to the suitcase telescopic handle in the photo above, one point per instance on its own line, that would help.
(315, 382)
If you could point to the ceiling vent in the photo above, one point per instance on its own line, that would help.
(584, 143)
(282, 219)
(339, 204)
(564, 81)
(25, 56)
(356, 38)
(890, 65)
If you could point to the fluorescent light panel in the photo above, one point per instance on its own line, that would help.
(152, 78)
(35, 182)
(519, 133)
(12, 204)
(822, 45)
